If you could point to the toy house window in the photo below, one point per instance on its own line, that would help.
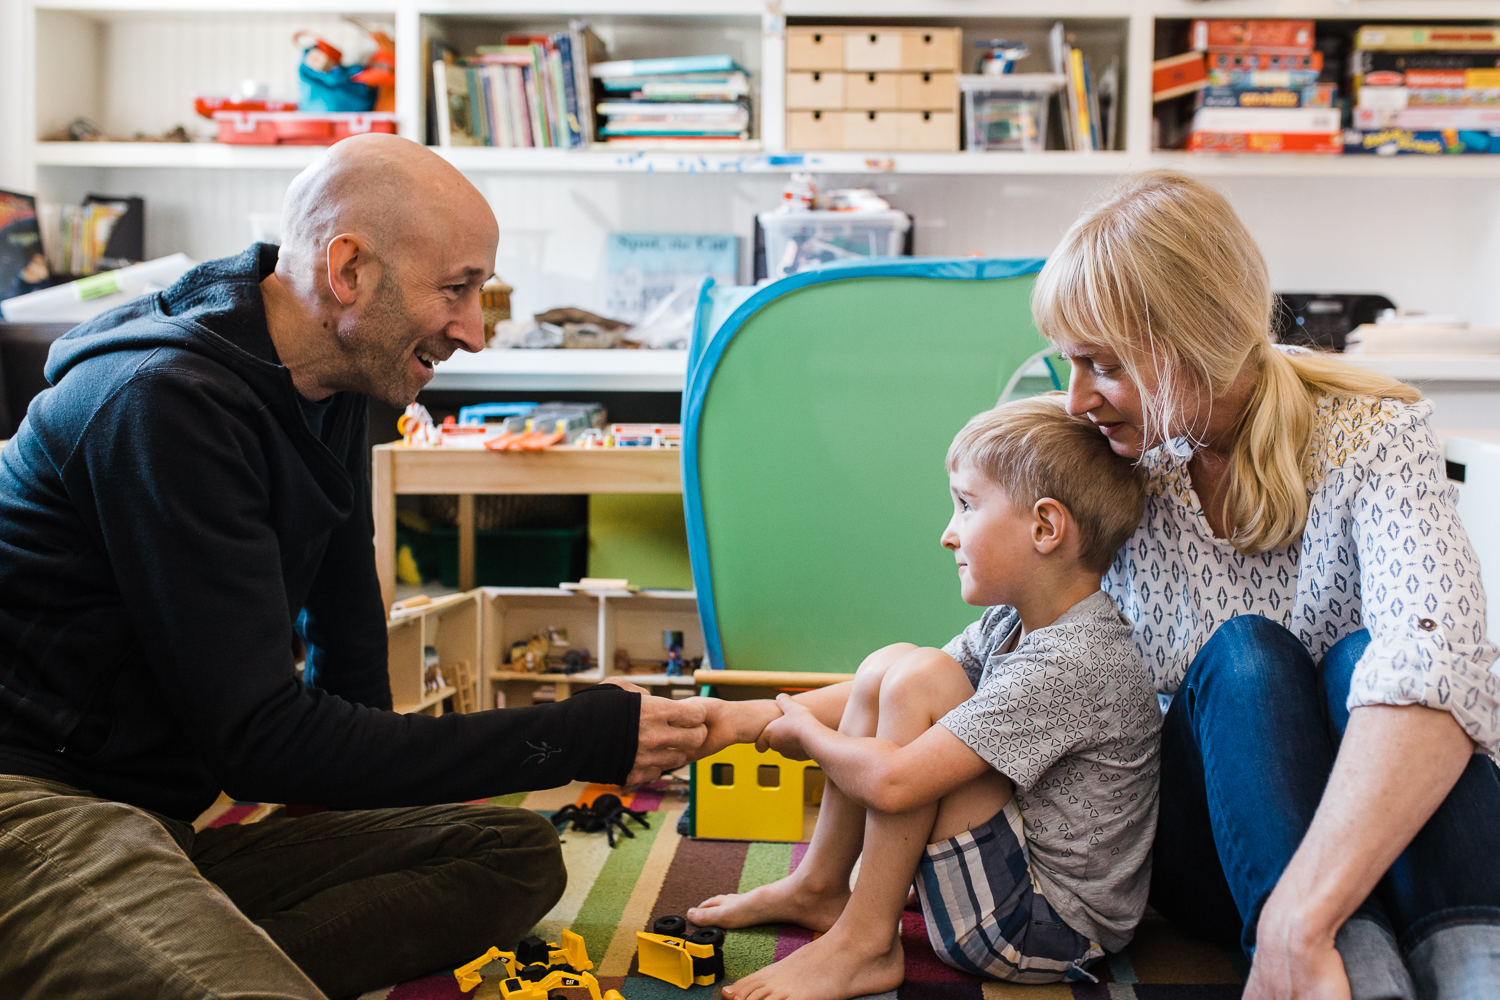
(721, 774)
(768, 776)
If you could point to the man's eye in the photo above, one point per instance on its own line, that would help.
(457, 289)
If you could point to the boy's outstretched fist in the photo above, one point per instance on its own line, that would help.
(785, 734)
(731, 722)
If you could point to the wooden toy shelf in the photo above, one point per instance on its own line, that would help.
(399, 469)
(450, 628)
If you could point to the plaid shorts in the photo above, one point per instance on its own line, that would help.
(985, 917)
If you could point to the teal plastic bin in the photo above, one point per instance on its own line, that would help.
(517, 557)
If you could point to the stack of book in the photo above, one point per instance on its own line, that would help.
(671, 102)
(1425, 90)
(529, 91)
(1262, 94)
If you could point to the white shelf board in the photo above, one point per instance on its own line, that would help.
(618, 370)
(514, 9)
(1432, 367)
(211, 155)
(1369, 11)
(106, 8)
(174, 154)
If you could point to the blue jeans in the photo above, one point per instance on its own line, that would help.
(1247, 748)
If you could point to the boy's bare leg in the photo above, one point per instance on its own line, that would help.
(861, 953)
(813, 896)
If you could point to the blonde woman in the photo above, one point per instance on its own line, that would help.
(1302, 588)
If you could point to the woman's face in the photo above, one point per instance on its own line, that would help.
(1099, 387)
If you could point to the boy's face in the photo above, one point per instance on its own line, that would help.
(989, 537)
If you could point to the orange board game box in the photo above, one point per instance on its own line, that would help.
(1279, 37)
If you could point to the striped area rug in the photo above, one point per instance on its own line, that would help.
(612, 894)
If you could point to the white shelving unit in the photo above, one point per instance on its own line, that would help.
(1325, 223)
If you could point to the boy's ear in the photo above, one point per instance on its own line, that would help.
(1050, 525)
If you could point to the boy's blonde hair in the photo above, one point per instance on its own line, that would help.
(1163, 272)
(1033, 448)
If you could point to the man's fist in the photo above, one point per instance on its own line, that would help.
(671, 733)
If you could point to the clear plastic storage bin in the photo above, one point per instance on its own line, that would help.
(800, 241)
(1007, 112)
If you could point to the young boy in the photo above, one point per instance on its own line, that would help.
(1013, 772)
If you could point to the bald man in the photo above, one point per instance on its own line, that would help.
(187, 504)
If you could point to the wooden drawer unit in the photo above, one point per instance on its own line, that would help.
(872, 49)
(926, 131)
(815, 129)
(814, 90)
(927, 91)
(814, 48)
(873, 129)
(872, 91)
(932, 49)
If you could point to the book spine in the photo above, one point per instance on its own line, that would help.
(580, 36)
(1080, 100)
(1385, 36)
(1264, 60)
(1280, 37)
(559, 98)
(515, 77)
(1206, 141)
(495, 80)
(570, 89)
(534, 108)
(477, 116)
(659, 67)
(440, 102)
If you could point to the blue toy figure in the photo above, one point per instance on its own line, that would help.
(672, 642)
(326, 83)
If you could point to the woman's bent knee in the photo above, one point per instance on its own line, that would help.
(1250, 657)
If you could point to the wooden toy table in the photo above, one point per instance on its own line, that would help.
(465, 471)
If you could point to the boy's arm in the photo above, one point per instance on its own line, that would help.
(876, 773)
(742, 721)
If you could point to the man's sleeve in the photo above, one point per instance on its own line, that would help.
(179, 483)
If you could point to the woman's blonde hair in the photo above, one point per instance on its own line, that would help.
(1164, 274)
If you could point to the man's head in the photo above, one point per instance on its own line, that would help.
(384, 248)
(1031, 482)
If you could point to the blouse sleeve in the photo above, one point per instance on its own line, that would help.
(1422, 598)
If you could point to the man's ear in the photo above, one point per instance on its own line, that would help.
(352, 268)
(1050, 525)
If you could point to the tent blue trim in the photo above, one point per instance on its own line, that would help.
(709, 346)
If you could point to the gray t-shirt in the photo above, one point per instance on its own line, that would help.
(1071, 717)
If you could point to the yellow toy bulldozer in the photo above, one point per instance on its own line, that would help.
(535, 968)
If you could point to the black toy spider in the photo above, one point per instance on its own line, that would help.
(606, 813)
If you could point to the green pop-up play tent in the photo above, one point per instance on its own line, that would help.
(817, 413)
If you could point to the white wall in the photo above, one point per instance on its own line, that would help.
(15, 165)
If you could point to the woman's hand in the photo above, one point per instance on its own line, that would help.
(785, 735)
(1291, 964)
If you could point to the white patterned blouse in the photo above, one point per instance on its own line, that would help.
(1383, 549)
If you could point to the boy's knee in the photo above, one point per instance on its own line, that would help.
(925, 673)
(873, 670)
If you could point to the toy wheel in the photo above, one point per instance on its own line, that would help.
(671, 926)
(534, 973)
(707, 935)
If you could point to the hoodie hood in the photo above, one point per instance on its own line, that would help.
(215, 309)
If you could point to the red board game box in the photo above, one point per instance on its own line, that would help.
(1278, 37)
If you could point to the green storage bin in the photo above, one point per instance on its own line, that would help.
(517, 557)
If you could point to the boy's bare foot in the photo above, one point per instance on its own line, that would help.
(786, 901)
(836, 966)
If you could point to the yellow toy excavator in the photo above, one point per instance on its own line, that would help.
(535, 968)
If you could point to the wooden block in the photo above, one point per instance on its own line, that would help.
(815, 129)
(872, 129)
(928, 91)
(926, 131)
(872, 49)
(932, 49)
(872, 91)
(814, 89)
(814, 48)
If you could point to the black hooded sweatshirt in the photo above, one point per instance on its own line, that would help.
(167, 520)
